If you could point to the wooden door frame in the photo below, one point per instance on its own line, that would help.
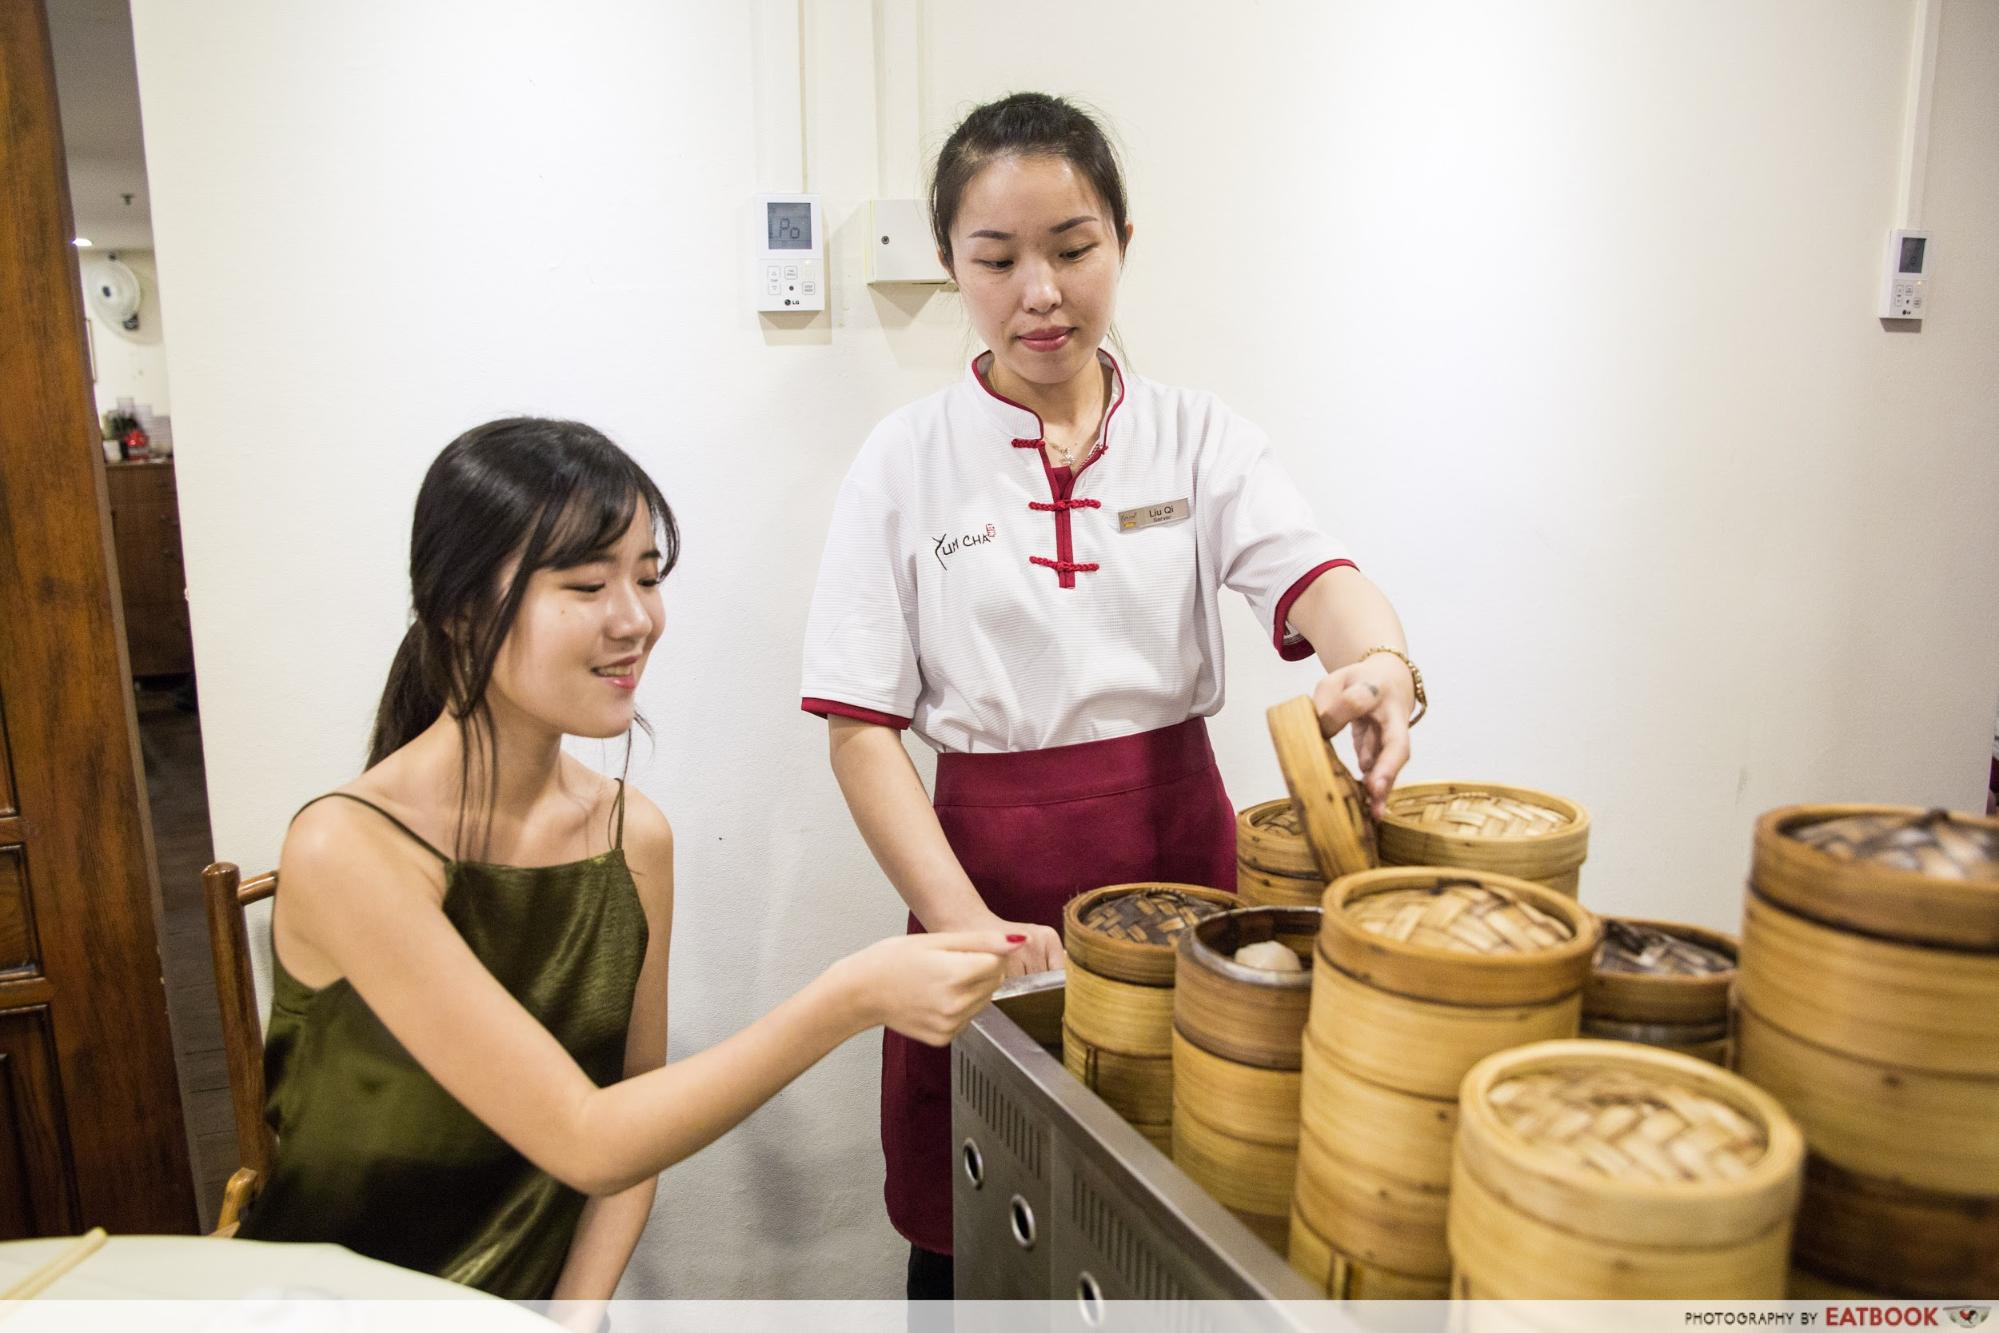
(66, 697)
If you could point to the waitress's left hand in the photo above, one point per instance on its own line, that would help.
(1375, 698)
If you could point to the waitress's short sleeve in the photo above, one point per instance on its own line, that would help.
(860, 650)
(1268, 545)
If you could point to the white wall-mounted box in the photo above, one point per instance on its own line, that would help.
(900, 246)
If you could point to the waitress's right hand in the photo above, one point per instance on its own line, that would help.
(928, 987)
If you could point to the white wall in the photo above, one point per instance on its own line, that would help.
(131, 363)
(1562, 312)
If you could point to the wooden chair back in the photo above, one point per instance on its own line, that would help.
(226, 893)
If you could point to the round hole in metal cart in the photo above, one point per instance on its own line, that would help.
(975, 1165)
(1090, 1297)
(1023, 1223)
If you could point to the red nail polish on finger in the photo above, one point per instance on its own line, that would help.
(1016, 939)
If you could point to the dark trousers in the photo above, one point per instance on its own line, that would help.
(929, 1275)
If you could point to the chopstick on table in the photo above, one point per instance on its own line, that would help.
(35, 1283)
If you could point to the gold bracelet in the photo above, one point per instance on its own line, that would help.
(1415, 678)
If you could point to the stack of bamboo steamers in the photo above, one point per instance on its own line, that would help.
(1452, 1137)
(1473, 1087)
(1869, 1005)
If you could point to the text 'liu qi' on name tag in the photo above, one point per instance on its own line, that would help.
(1151, 516)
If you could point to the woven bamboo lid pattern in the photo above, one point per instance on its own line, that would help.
(1470, 937)
(1332, 808)
(1269, 837)
(1638, 947)
(1129, 931)
(1629, 1125)
(1629, 1143)
(1931, 843)
(1921, 876)
(1461, 915)
(1474, 812)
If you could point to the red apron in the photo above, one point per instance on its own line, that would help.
(1033, 830)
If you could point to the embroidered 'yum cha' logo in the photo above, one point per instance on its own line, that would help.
(947, 545)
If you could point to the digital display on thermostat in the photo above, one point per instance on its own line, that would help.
(1912, 254)
(790, 226)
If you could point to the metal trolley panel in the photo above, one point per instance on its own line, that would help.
(1056, 1198)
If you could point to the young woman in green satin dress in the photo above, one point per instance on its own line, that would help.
(466, 1055)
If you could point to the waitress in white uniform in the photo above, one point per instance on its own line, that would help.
(1026, 570)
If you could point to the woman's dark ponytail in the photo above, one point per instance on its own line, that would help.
(412, 699)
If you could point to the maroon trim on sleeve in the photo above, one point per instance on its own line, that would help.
(1299, 651)
(834, 708)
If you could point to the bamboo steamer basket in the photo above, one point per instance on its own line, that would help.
(1252, 1180)
(1274, 866)
(1590, 1170)
(1314, 1258)
(1373, 1123)
(1487, 826)
(1661, 983)
(1864, 1235)
(1422, 972)
(1246, 1014)
(1237, 1032)
(1375, 1219)
(1331, 806)
(1259, 888)
(1242, 1101)
(1869, 995)
(1117, 1019)
(1419, 973)
(1269, 837)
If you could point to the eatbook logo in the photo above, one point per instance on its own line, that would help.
(949, 544)
(1970, 1316)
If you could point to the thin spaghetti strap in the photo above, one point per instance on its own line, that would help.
(619, 839)
(358, 800)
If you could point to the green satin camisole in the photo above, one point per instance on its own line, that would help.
(375, 1155)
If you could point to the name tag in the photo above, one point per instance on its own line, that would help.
(1149, 516)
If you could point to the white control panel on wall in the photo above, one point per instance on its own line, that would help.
(1905, 291)
(789, 249)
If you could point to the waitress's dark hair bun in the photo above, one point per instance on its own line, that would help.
(1024, 125)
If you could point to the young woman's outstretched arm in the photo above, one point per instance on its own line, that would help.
(363, 906)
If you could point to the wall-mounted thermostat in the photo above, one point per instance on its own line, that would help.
(789, 253)
(1906, 287)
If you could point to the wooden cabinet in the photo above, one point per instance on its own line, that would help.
(145, 520)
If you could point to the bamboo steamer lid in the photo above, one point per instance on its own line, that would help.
(1869, 1234)
(1128, 932)
(1485, 826)
(1332, 808)
(1269, 837)
(1921, 876)
(1457, 937)
(1630, 1144)
(1241, 1013)
(1660, 972)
